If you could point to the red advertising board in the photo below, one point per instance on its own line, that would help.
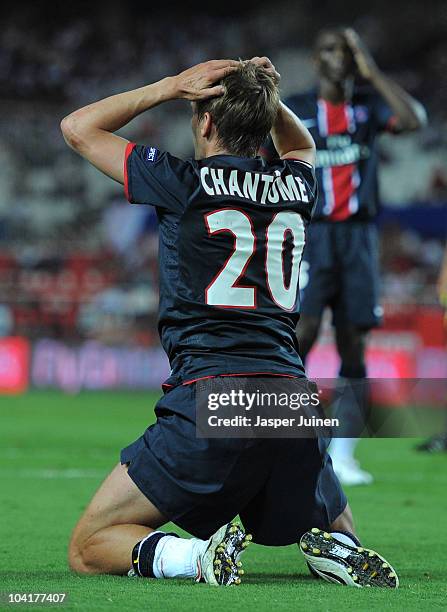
(14, 365)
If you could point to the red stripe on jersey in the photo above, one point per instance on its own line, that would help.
(336, 117)
(343, 185)
(242, 374)
(130, 147)
(338, 122)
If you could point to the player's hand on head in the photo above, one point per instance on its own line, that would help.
(364, 61)
(265, 63)
(202, 81)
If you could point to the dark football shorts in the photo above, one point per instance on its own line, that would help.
(340, 270)
(280, 487)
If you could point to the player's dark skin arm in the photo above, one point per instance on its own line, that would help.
(409, 113)
(89, 130)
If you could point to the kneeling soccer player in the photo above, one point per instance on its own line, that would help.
(231, 238)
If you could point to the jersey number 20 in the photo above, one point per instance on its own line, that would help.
(225, 290)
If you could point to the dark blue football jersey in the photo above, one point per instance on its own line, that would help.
(231, 234)
(346, 139)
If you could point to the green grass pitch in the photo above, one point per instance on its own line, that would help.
(55, 449)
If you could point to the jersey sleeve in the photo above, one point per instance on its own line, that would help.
(385, 118)
(298, 166)
(155, 177)
(305, 172)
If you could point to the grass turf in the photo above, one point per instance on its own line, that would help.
(55, 449)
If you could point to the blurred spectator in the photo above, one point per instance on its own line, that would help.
(75, 260)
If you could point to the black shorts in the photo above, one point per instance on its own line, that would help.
(279, 487)
(340, 270)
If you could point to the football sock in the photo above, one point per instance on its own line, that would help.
(165, 555)
(346, 538)
(342, 449)
(177, 557)
(351, 406)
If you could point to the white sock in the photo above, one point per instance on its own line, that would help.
(342, 449)
(177, 557)
(343, 538)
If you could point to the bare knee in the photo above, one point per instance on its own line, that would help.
(75, 559)
(78, 556)
(83, 538)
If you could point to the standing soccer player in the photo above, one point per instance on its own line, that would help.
(231, 236)
(340, 262)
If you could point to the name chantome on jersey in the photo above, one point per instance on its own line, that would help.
(254, 186)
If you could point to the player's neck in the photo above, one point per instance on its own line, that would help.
(336, 92)
(212, 149)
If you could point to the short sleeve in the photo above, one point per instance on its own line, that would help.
(386, 121)
(155, 177)
(306, 172)
(298, 166)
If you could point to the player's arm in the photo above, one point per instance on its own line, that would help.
(410, 114)
(90, 130)
(291, 139)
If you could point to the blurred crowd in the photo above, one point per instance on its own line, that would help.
(410, 266)
(74, 260)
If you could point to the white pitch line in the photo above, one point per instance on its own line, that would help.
(53, 474)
